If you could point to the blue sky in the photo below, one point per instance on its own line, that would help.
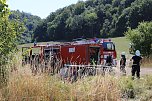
(41, 8)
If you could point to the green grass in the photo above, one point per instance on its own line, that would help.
(122, 45)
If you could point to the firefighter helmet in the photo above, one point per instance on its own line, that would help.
(123, 53)
(137, 53)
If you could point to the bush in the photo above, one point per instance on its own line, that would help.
(141, 38)
(9, 30)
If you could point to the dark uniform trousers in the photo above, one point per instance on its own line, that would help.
(136, 69)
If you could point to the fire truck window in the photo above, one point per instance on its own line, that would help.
(35, 51)
(108, 46)
(47, 52)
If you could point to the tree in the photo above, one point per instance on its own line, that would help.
(29, 21)
(140, 11)
(90, 22)
(79, 8)
(141, 37)
(75, 25)
(9, 31)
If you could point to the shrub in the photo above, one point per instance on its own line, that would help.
(141, 38)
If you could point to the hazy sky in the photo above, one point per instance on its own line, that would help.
(41, 8)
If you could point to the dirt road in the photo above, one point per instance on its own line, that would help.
(143, 70)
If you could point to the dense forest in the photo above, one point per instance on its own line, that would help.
(87, 19)
(94, 18)
(30, 23)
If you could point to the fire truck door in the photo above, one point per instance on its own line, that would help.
(94, 55)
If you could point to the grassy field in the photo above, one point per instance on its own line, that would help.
(23, 86)
(122, 45)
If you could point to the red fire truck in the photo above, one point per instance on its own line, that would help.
(88, 52)
(79, 52)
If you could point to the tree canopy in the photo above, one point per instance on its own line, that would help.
(94, 18)
(91, 18)
(9, 31)
(29, 21)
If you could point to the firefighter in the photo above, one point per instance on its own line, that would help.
(136, 64)
(109, 60)
(123, 62)
(35, 43)
(74, 78)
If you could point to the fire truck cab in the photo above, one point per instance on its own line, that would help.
(109, 49)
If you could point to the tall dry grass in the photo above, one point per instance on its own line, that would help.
(23, 86)
(98, 88)
(147, 62)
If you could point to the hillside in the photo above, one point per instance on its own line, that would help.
(29, 21)
(94, 18)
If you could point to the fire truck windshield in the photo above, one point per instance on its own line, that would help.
(108, 46)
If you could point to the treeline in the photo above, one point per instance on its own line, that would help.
(30, 23)
(94, 18)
